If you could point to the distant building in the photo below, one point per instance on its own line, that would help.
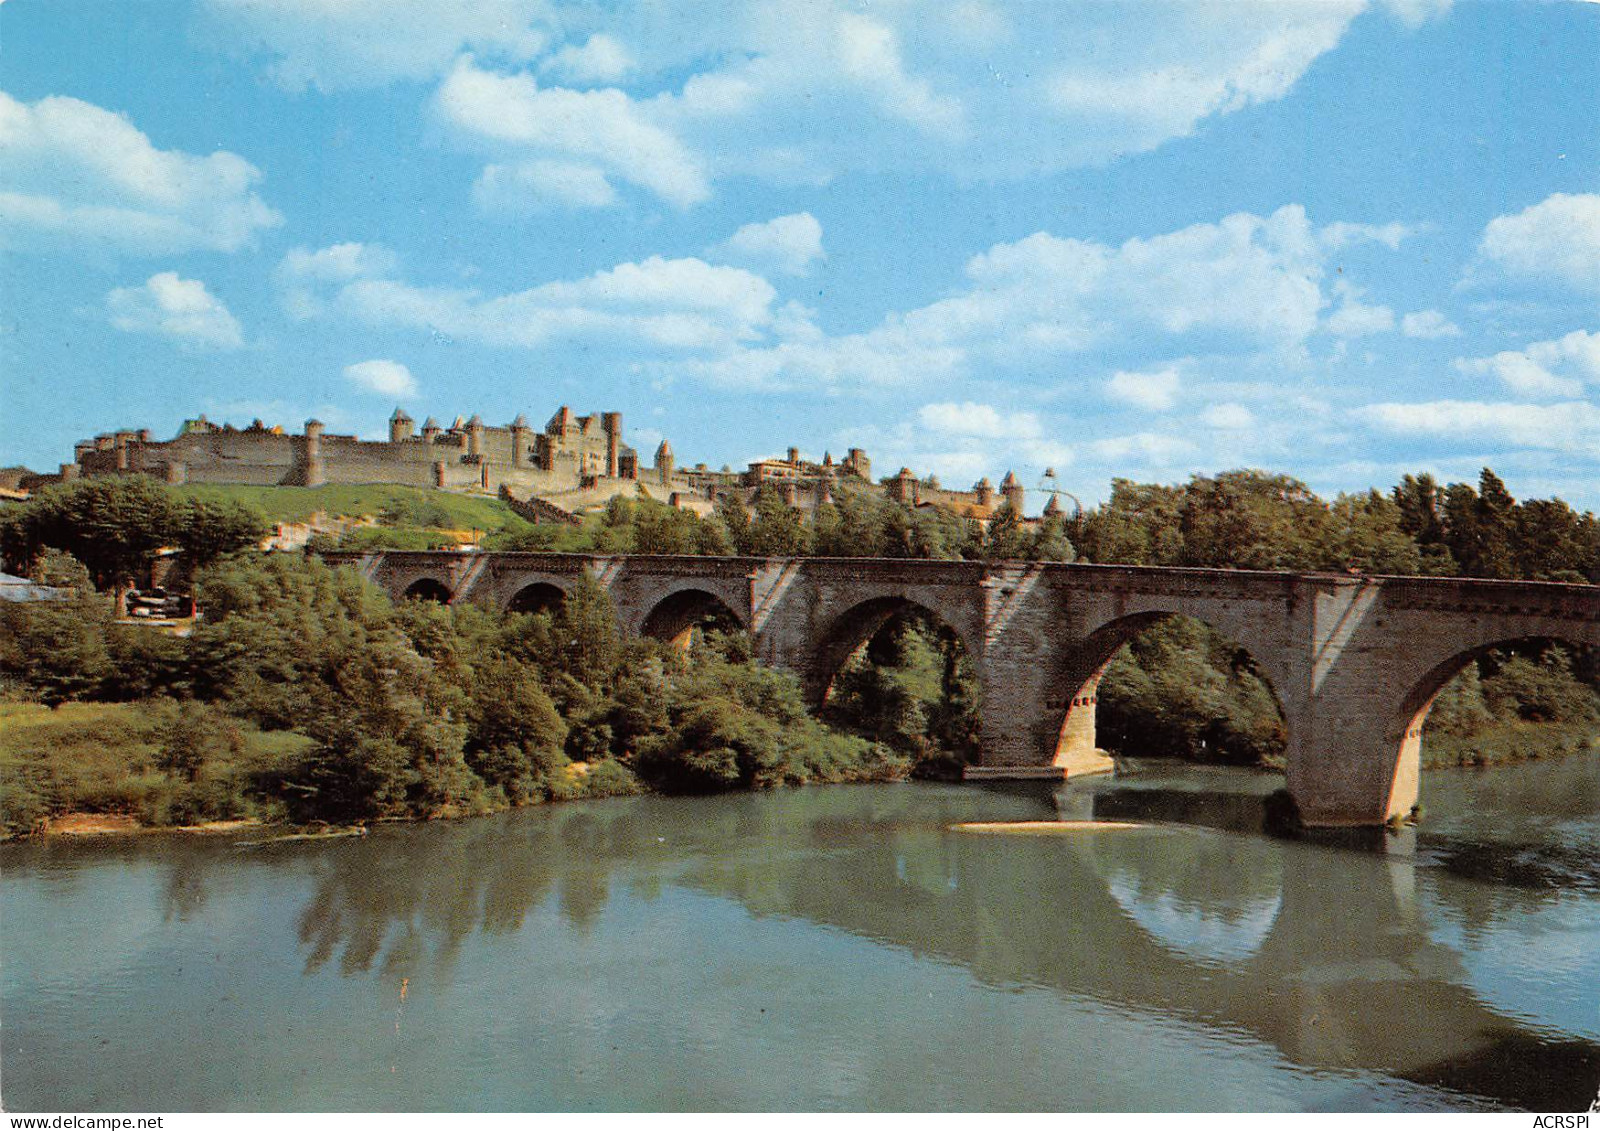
(571, 452)
(574, 463)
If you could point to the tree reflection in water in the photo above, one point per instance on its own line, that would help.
(1327, 954)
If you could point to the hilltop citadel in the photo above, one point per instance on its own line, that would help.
(574, 463)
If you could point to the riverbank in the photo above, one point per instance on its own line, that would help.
(1505, 742)
(94, 769)
(97, 768)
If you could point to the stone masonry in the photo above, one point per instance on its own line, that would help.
(1354, 661)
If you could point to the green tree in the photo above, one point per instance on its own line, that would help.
(57, 648)
(1007, 541)
(208, 531)
(195, 736)
(586, 646)
(776, 530)
(113, 525)
(1365, 534)
(1496, 528)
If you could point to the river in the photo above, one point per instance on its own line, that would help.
(832, 948)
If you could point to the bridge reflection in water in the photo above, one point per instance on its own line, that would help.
(1325, 953)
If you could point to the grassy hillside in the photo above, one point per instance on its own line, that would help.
(415, 507)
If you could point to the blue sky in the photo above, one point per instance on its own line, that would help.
(1343, 240)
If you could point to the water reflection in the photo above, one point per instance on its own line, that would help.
(1340, 960)
(1331, 956)
(1215, 899)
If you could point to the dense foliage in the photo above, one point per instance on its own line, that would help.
(912, 687)
(1251, 520)
(115, 525)
(401, 711)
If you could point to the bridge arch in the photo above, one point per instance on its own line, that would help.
(428, 589)
(857, 626)
(1078, 738)
(537, 597)
(1410, 713)
(680, 615)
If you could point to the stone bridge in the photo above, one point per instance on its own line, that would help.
(1355, 662)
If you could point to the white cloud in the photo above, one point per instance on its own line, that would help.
(382, 376)
(1245, 283)
(787, 244)
(333, 44)
(1556, 368)
(600, 60)
(1570, 427)
(1428, 324)
(180, 309)
(979, 420)
(604, 133)
(1151, 447)
(867, 50)
(1156, 391)
(674, 98)
(1227, 67)
(1243, 287)
(1341, 234)
(1228, 417)
(73, 174)
(1556, 240)
(538, 185)
(1415, 13)
(302, 274)
(960, 441)
(337, 264)
(1356, 319)
(674, 304)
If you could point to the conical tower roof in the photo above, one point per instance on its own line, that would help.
(399, 416)
(1009, 481)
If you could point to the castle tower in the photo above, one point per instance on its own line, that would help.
(857, 463)
(312, 472)
(824, 490)
(664, 463)
(612, 423)
(399, 426)
(475, 435)
(1013, 492)
(903, 487)
(519, 441)
(794, 457)
(1053, 507)
(985, 492)
(430, 430)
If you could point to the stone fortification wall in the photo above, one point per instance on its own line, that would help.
(571, 453)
